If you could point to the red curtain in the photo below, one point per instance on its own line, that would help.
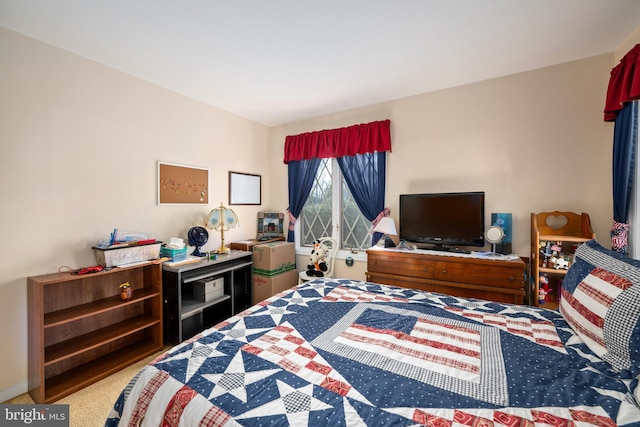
(624, 84)
(348, 141)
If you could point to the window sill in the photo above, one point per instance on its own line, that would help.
(359, 255)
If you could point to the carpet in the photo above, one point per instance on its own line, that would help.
(90, 406)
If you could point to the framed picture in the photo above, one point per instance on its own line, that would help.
(270, 225)
(182, 184)
(245, 189)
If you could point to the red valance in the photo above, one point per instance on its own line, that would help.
(348, 141)
(624, 84)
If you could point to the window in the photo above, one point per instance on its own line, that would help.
(330, 203)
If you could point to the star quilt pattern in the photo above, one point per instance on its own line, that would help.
(350, 353)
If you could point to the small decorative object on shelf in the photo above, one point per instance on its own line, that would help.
(126, 292)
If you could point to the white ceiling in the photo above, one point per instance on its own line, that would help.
(280, 61)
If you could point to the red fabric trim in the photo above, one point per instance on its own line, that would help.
(348, 141)
(624, 84)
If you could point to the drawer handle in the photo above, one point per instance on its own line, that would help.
(512, 278)
(444, 271)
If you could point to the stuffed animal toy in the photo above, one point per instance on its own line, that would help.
(561, 263)
(317, 260)
(543, 291)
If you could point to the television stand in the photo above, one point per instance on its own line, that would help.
(451, 249)
(468, 277)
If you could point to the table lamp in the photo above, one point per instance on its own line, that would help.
(222, 219)
(387, 227)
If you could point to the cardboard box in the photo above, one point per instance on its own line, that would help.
(208, 289)
(126, 255)
(247, 245)
(274, 258)
(267, 286)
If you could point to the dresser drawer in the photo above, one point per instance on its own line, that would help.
(467, 277)
(402, 266)
(480, 274)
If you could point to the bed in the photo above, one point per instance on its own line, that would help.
(343, 352)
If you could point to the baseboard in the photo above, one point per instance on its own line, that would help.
(11, 392)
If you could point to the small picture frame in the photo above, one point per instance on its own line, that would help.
(245, 189)
(270, 225)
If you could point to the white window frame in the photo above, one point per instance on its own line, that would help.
(336, 219)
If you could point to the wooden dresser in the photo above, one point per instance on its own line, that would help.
(497, 280)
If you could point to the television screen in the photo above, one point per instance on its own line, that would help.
(442, 219)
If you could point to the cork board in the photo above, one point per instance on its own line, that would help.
(182, 184)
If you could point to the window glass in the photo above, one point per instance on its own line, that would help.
(330, 202)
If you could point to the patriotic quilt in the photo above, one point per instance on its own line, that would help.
(342, 352)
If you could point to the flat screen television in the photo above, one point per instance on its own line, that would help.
(442, 221)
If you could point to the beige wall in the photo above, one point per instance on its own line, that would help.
(628, 44)
(533, 141)
(79, 144)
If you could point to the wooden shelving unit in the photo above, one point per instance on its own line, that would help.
(567, 235)
(80, 331)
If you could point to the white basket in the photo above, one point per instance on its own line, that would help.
(127, 255)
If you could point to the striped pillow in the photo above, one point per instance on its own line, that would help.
(601, 302)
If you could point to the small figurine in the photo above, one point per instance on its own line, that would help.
(561, 263)
(543, 289)
(547, 292)
(544, 279)
(542, 296)
(546, 251)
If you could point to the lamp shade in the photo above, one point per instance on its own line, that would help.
(222, 219)
(386, 226)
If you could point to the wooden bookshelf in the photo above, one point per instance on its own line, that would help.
(80, 331)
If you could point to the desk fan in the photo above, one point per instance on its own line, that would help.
(198, 237)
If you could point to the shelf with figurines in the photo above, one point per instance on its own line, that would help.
(555, 236)
(556, 256)
(553, 263)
